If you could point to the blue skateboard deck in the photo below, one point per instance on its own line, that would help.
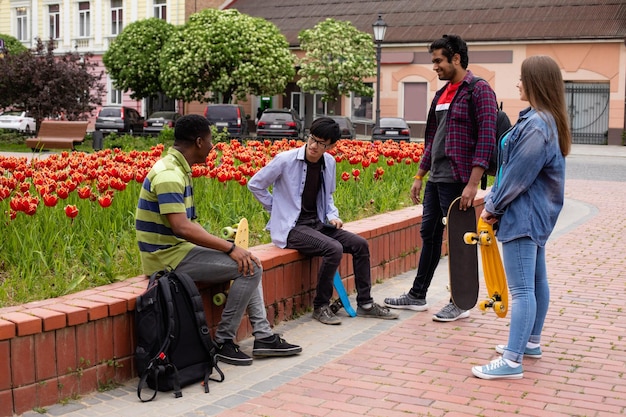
(343, 300)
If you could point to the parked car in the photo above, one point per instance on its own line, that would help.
(119, 119)
(275, 123)
(394, 128)
(17, 120)
(348, 131)
(230, 116)
(157, 121)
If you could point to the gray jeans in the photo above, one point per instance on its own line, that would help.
(246, 292)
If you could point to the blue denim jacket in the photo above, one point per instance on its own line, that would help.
(286, 174)
(529, 190)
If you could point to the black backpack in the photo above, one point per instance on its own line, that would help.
(503, 124)
(174, 345)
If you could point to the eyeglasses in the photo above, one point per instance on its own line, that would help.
(318, 142)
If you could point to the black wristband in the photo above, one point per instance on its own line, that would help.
(232, 248)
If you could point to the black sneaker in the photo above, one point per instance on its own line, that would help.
(228, 352)
(325, 315)
(274, 346)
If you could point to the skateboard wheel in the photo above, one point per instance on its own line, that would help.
(483, 305)
(444, 221)
(470, 238)
(498, 306)
(229, 232)
(485, 240)
(219, 299)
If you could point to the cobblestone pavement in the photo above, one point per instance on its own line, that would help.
(415, 366)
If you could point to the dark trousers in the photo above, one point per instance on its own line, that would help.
(331, 244)
(437, 199)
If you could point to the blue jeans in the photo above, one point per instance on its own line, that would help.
(330, 244)
(245, 293)
(437, 200)
(525, 267)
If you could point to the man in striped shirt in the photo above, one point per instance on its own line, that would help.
(170, 237)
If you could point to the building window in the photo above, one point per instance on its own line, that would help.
(160, 9)
(362, 106)
(54, 19)
(117, 17)
(21, 14)
(84, 19)
(115, 95)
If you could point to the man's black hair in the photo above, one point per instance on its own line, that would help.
(190, 127)
(325, 128)
(451, 44)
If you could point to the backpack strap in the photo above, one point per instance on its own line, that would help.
(203, 329)
(472, 112)
(160, 362)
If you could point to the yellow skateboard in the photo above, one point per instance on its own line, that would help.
(495, 278)
(239, 234)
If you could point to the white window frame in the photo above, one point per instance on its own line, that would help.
(115, 95)
(317, 99)
(22, 18)
(117, 17)
(160, 9)
(84, 20)
(54, 21)
(364, 100)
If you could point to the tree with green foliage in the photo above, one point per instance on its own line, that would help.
(12, 45)
(228, 54)
(338, 57)
(48, 85)
(132, 60)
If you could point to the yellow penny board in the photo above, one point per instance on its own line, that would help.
(239, 233)
(495, 278)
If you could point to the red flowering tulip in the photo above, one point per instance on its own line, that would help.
(50, 200)
(356, 173)
(345, 176)
(71, 211)
(63, 191)
(84, 192)
(105, 200)
(31, 209)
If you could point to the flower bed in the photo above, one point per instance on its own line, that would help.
(70, 217)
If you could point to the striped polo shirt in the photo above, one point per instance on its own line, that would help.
(166, 189)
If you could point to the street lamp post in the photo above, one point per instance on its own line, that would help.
(379, 27)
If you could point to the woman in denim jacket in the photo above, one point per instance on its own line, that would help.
(526, 201)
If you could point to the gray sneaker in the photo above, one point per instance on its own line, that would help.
(451, 313)
(376, 312)
(325, 315)
(407, 302)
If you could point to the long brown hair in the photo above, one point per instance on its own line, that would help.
(545, 90)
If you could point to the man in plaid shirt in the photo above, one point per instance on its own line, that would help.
(456, 153)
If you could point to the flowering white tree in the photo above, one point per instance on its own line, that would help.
(228, 54)
(337, 58)
(132, 59)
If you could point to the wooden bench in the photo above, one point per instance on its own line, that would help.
(55, 134)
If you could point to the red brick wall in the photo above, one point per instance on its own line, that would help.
(53, 349)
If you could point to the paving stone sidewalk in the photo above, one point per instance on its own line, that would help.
(414, 366)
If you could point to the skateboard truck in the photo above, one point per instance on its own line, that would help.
(494, 302)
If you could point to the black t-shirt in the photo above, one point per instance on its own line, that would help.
(308, 212)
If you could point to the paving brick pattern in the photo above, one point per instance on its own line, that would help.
(420, 367)
(414, 366)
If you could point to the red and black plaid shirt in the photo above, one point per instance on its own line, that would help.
(463, 149)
